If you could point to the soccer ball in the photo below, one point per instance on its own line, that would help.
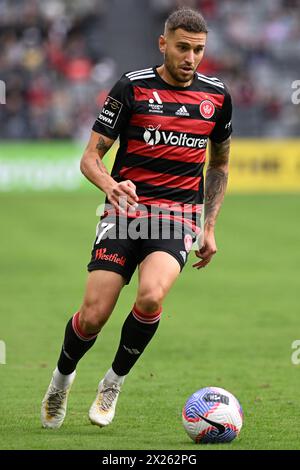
(212, 415)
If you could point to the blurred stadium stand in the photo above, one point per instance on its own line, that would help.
(60, 57)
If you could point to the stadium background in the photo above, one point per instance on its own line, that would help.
(231, 325)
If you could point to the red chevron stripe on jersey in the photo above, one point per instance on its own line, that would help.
(160, 179)
(173, 123)
(180, 97)
(190, 155)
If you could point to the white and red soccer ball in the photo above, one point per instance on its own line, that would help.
(212, 415)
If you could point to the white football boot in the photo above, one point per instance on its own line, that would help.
(103, 409)
(54, 405)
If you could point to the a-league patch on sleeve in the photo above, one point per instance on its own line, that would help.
(110, 112)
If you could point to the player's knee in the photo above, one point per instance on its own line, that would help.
(150, 300)
(92, 318)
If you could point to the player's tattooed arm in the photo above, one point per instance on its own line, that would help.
(91, 163)
(215, 187)
(102, 168)
(103, 146)
(216, 180)
(121, 195)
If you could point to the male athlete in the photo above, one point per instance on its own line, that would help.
(164, 117)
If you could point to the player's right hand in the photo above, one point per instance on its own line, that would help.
(207, 250)
(123, 196)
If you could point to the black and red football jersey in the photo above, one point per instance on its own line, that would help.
(164, 131)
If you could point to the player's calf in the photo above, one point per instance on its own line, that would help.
(137, 332)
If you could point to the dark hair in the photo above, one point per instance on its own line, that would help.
(187, 19)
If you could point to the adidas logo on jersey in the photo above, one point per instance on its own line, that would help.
(182, 111)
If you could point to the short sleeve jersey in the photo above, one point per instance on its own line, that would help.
(164, 131)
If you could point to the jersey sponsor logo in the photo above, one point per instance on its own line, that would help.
(110, 112)
(188, 242)
(101, 254)
(156, 104)
(207, 109)
(152, 136)
(182, 111)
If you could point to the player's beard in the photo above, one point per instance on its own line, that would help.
(175, 73)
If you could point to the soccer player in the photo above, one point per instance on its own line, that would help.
(164, 117)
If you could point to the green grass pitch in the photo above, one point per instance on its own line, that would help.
(230, 325)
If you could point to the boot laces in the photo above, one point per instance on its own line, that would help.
(108, 396)
(55, 400)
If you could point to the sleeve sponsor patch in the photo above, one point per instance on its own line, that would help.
(110, 112)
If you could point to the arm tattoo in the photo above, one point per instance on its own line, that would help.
(101, 167)
(216, 180)
(102, 146)
(219, 153)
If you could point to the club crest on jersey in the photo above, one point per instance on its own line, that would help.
(188, 242)
(152, 135)
(207, 109)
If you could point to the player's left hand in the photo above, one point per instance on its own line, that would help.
(207, 251)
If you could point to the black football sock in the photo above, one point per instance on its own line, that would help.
(75, 345)
(137, 331)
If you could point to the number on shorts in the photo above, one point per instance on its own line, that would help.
(102, 228)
